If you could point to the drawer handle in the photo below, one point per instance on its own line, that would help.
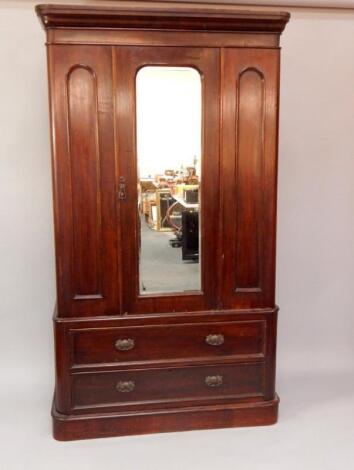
(125, 387)
(125, 344)
(213, 380)
(215, 340)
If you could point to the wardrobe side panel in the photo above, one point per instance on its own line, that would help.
(84, 179)
(250, 79)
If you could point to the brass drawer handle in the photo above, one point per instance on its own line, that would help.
(215, 340)
(213, 380)
(125, 387)
(125, 344)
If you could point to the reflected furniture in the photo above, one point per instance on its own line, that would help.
(128, 363)
(163, 202)
(190, 235)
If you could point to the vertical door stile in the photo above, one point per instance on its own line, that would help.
(120, 253)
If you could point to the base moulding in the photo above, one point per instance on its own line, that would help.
(89, 426)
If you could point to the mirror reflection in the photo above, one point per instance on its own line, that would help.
(169, 123)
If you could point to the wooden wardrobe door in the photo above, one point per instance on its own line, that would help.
(84, 179)
(128, 61)
(250, 80)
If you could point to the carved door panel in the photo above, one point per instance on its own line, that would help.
(84, 179)
(248, 176)
(128, 61)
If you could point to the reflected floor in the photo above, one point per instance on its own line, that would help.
(161, 268)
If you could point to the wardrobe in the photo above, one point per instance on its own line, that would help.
(145, 341)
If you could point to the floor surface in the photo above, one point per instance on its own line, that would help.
(161, 266)
(315, 432)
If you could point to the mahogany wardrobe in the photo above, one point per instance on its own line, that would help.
(165, 317)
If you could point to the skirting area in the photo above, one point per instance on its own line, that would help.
(180, 419)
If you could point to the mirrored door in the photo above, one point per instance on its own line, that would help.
(167, 116)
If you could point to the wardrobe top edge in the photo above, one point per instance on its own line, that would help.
(162, 16)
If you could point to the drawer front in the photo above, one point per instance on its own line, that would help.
(163, 343)
(167, 385)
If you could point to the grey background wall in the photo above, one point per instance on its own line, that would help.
(316, 191)
(315, 264)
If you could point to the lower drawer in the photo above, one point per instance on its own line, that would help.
(172, 384)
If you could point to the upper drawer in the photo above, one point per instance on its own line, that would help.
(166, 343)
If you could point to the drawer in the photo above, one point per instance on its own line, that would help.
(167, 385)
(165, 343)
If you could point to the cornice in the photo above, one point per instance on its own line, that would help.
(162, 16)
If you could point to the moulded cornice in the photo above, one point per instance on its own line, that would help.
(162, 16)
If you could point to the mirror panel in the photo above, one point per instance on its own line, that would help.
(169, 152)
